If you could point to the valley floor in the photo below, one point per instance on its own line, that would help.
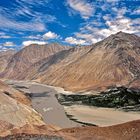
(100, 116)
(45, 102)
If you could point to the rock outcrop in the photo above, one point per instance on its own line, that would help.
(15, 94)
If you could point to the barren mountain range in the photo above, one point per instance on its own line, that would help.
(29, 55)
(111, 62)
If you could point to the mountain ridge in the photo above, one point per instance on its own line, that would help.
(111, 62)
(104, 64)
(27, 56)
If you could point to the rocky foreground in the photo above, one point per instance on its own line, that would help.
(126, 131)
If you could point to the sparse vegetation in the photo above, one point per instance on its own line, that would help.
(119, 97)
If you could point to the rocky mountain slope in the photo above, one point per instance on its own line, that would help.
(38, 69)
(15, 108)
(15, 94)
(111, 62)
(28, 56)
(4, 58)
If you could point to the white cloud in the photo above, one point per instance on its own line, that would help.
(34, 36)
(90, 38)
(120, 24)
(112, 24)
(24, 26)
(136, 12)
(8, 44)
(3, 35)
(74, 41)
(29, 42)
(50, 35)
(33, 2)
(36, 19)
(82, 6)
(112, 0)
(3, 49)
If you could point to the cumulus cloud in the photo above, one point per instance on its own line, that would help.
(111, 25)
(29, 42)
(121, 23)
(82, 6)
(74, 41)
(8, 44)
(50, 35)
(89, 38)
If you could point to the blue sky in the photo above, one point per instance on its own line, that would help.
(72, 22)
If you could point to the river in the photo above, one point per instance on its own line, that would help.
(44, 101)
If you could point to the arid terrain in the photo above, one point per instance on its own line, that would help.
(111, 62)
(30, 55)
(58, 92)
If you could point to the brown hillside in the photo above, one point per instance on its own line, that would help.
(28, 56)
(4, 59)
(113, 61)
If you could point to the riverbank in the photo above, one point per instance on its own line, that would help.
(99, 116)
(45, 102)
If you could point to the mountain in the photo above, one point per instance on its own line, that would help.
(111, 62)
(29, 55)
(15, 108)
(36, 70)
(4, 58)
